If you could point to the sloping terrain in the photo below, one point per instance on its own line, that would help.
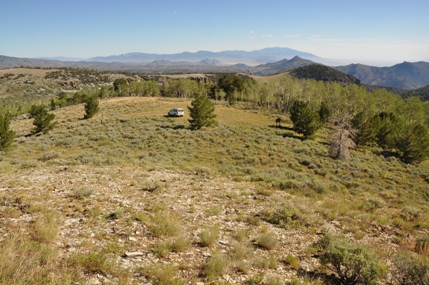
(132, 196)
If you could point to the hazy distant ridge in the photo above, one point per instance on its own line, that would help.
(406, 75)
(228, 57)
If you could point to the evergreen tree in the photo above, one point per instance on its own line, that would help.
(367, 128)
(6, 135)
(91, 107)
(413, 143)
(42, 119)
(305, 120)
(202, 113)
(231, 84)
(324, 112)
(390, 127)
(120, 86)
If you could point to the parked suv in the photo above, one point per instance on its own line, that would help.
(176, 112)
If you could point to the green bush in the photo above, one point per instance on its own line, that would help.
(353, 264)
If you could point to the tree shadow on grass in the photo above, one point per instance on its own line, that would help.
(281, 127)
(386, 154)
(174, 127)
(289, 134)
(293, 136)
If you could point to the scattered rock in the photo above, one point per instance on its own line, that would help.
(133, 254)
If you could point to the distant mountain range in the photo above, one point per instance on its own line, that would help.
(266, 61)
(228, 57)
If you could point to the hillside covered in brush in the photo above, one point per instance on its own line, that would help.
(320, 72)
(133, 196)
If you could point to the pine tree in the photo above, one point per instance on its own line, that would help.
(202, 113)
(42, 119)
(413, 143)
(305, 120)
(391, 126)
(324, 112)
(368, 128)
(91, 107)
(6, 135)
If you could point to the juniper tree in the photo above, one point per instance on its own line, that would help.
(305, 120)
(391, 126)
(6, 135)
(42, 119)
(368, 128)
(202, 113)
(413, 143)
(91, 107)
(324, 112)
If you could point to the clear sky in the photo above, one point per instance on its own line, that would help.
(378, 32)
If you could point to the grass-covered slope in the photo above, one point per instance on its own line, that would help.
(131, 196)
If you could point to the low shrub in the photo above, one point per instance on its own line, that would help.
(209, 236)
(267, 241)
(215, 266)
(353, 264)
(92, 262)
(410, 269)
(165, 224)
(162, 274)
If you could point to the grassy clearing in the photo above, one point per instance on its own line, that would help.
(244, 199)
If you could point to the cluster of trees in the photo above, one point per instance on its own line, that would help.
(393, 132)
(43, 121)
(408, 139)
(381, 118)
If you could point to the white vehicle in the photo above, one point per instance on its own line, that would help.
(176, 112)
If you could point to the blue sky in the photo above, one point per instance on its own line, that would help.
(375, 32)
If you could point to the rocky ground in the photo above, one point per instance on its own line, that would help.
(105, 207)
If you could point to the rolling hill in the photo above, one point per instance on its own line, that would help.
(406, 75)
(320, 72)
